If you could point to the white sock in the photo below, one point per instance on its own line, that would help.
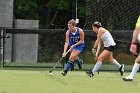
(96, 67)
(135, 69)
(114, 62)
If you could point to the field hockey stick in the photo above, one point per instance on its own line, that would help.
(59, 61)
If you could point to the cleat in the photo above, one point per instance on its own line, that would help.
(64, 73)
(128, 78)
(89, 73)
(121, 69)
(98, 71)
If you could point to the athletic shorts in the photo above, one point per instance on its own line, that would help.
(138, 48)
(110, 48)
(138, 45)
(79, 47)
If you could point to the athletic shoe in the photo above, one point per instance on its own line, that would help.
(80, 65)
(64, 73)
(89, 73)
(121, 69)
(128, 78)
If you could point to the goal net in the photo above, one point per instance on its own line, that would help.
(119, 17)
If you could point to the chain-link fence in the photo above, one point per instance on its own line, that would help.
(45, 50)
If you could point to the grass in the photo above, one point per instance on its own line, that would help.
(24, 81)
(29, 65)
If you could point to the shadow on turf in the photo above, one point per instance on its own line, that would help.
(60, 81)
(73, 92)
(57, 79)
(134, 83)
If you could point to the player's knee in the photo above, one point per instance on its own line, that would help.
(137, 61)
(110, 60)
(100, 59)
(72, 58)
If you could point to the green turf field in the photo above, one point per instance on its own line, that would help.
(24, 81)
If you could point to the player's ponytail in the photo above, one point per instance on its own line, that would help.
(97, 24)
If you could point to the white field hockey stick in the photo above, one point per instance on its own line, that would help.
(59, 61)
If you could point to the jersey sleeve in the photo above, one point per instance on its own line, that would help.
(138, 22)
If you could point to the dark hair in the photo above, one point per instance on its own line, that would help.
(97, 24)
(73, 22)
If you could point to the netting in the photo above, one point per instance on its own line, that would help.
(49, 50)
(44, 47)
(121, 53)
(33, 48)
(119, 17)
(115, 15)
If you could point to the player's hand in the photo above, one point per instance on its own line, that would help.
(94, 51)
(72, 46)
(133, 49)
(64, 54)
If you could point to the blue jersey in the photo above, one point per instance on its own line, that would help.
(74, 38)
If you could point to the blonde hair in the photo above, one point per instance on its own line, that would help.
(73, 22)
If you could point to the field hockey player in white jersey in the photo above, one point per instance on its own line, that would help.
(104, 36)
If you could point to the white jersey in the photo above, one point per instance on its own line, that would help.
(138, 38)
(107, 39)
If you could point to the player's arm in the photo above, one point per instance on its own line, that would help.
(98, 49)
(95, 44)
(136, 31)
(98, 42)
(133, 47)
(66, 43)
(81, 32)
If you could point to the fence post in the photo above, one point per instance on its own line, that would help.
(0, 47)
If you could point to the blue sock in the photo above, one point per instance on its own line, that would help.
(79, 61)
(68, 65)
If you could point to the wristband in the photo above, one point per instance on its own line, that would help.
(134, 43)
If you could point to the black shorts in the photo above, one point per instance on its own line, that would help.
(110, 48)
(138, 48)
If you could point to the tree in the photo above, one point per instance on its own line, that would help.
(25, 9)
(50, 13)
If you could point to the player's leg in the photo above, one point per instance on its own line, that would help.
(79, 62)
(98, 64)
(117, 64)
(134, 70)
(72, 57)
(101, 57)
(136, 66)
(72, 66)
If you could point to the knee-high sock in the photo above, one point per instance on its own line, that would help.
(114, 62)
(68, 65)
(96, 67)
(135, 69)
(79, 61)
